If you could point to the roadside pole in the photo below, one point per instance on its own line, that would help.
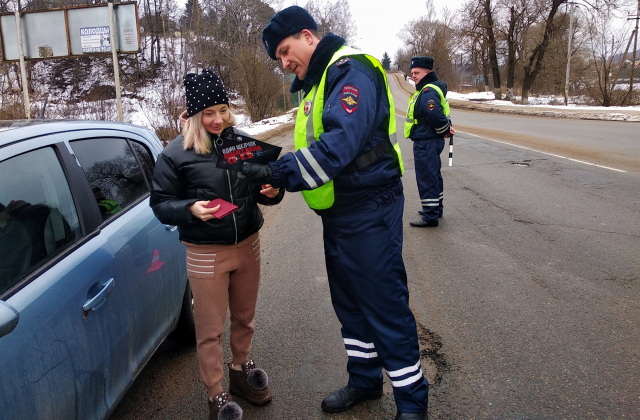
(566, 81)
(114, 53)
(23, 68)
(635, 48)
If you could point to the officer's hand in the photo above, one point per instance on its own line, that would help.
(452, 131)
(256, 173)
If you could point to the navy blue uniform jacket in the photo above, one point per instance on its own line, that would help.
(349, 131)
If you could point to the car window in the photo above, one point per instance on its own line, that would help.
(38, 218)
(145, 158)
(113, 173)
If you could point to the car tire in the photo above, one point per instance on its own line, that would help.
(185, 332)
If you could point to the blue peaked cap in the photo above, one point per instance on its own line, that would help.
(285, 23)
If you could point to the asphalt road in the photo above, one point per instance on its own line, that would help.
(526, 295)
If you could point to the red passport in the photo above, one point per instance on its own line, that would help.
(226, 207)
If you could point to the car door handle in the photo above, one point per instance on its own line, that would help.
(170, 228)
(8, 318)
(97, 301)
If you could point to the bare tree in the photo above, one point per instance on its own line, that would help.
(333, 17)
(607, 42)
(473, 37)
(533, 63)
(258, 82)
(514, 16)
(433, 37)
(492, 48)
(230, 44)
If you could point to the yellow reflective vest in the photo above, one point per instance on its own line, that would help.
(309, 126)
(409, 122)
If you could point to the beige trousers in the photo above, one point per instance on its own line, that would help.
(221, 277)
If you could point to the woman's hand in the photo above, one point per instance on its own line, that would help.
(200, 210)
(269, 191)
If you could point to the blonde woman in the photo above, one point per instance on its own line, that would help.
(223, 254)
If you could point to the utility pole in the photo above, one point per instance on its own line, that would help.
(635, 48)
(566, 81)
(23, 69)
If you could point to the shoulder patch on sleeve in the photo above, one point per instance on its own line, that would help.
(342, 61)
(431, 104)
(350, 96)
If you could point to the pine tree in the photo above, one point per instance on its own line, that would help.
(386, 61)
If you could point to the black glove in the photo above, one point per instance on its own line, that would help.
(256, 173)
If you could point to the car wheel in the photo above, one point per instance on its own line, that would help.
(185, 332)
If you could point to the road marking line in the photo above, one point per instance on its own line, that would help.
(544, 153)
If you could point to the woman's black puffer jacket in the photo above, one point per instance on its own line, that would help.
(182, 177)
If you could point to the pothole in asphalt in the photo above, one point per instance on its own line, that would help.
(434, 362)
(524, 163)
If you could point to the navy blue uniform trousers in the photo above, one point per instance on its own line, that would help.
(369, 292)
(426, 155)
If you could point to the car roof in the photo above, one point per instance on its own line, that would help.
(12, 131)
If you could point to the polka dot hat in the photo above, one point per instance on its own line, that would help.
(204, 90)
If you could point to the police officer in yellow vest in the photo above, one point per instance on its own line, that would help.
(348, 166)
(427, 124)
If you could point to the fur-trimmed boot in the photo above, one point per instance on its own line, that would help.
(250, 383)
(222, 408)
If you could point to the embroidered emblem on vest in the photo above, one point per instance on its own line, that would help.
(350, 96)
(307, 108)
(431, 104)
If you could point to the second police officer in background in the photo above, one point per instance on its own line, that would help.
(427, 124)
(348, 166)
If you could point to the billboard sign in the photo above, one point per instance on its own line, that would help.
(70, 32)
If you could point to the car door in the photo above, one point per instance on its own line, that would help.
(57, 361)
(107, 288)
(148, 254)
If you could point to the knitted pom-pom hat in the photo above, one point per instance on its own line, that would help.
(285, 23)
(422, 62)
(204, 90)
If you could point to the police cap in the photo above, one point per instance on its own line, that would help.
(422, 62)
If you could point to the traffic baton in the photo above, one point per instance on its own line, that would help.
(451, 150)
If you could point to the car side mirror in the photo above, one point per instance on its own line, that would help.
(8, 318)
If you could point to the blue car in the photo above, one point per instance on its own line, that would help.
(91, 283)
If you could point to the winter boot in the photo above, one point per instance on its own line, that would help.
(250, 383)
(222, 408)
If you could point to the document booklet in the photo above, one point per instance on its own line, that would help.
(236, 149)
(226, 207)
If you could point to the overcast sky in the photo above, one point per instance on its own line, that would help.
(379, 22)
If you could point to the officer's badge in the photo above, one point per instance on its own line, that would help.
(307, 107)
(350, 96)
(431, 104)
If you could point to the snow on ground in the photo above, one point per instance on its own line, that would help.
(548, 101)
(245, 124)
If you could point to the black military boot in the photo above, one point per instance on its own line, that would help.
(412, 416)
(424, 223)
(345, 398)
